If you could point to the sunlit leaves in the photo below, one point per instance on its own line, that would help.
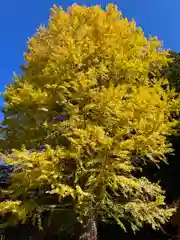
(86, 95)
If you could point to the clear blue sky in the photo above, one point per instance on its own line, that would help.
(20, 18)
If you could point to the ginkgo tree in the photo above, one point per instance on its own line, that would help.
(87, 113)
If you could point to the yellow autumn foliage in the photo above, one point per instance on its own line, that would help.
(87, 95)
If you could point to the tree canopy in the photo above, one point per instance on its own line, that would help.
(84, 118)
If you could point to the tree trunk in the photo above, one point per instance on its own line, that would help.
(89, 231)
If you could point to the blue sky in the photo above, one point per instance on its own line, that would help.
(19, 20)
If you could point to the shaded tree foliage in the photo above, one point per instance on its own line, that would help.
(172, 72)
